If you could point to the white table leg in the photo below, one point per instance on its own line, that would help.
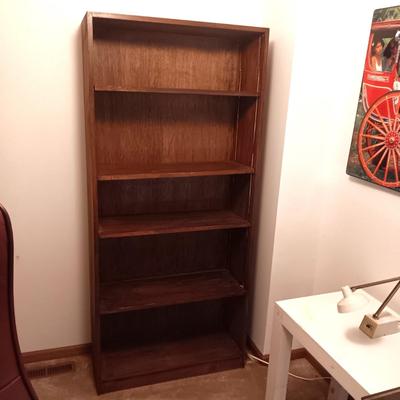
(336, 392)
(278, 369)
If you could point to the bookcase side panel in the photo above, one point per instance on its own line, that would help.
(88, 60)
(250, 65)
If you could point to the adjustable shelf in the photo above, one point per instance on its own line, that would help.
(176, 170)
(232, 93)
(142, 294)
(174, 114)
(157, 224)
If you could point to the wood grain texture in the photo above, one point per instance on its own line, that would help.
(177, 170)
(92, 201)
(246, 132)
(161, 129)
(157, 224)
(122, 331)
(110, 22)
(133, 258)
(174, 122)
(152, 59)
(208, 367)
(250, 65)
(169, 355)
(183, 323)
(163, 291)
(155, 196)
(158, 90)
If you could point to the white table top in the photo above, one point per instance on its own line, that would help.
(362, 365)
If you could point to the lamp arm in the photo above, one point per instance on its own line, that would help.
(386, 301)
(364, 285)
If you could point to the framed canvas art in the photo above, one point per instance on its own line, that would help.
(375, 148)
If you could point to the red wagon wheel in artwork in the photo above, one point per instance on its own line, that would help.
(379, 141)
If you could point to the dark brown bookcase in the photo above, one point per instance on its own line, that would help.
(174, 117)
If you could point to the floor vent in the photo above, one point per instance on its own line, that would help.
(50, 370)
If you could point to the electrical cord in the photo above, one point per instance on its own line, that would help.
(290, 374)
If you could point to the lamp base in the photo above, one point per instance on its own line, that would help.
(387, 324)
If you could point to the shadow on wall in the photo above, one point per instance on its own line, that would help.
(269, 174)
(374, 186)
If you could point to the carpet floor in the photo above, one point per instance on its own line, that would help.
(240, 384)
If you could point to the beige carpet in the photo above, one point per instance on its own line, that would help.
(240, 384)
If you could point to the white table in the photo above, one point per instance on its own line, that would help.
(359, 364)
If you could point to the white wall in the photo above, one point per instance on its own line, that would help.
(360, 222)
(42, 162)
(330, 229)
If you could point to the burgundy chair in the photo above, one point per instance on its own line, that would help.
(14, 383)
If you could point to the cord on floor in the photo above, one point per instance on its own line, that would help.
(290, 374)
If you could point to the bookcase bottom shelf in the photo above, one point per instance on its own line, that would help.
(162, 361)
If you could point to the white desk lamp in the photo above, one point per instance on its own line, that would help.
(373, 325)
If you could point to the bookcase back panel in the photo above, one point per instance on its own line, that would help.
(132, 58)
(163, 195)
(150, 129)
(150, 256)
(161, 324)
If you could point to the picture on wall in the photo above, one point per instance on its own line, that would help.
(375, 146)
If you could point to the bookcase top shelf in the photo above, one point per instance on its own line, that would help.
(175, 170)
(195, 28)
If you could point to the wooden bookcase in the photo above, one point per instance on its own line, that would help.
(174, 115)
